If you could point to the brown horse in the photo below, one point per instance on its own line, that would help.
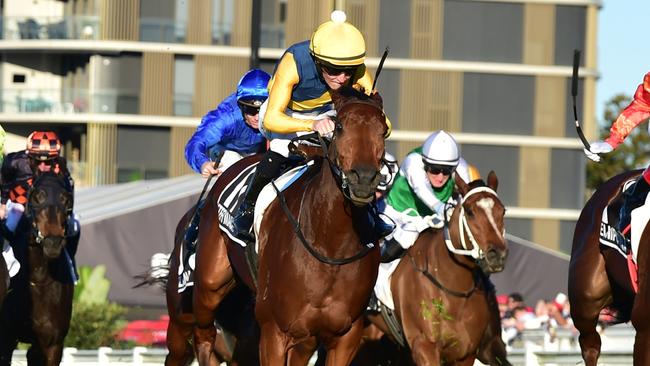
(599, 277)
(440, 287)
(38, 308)
(211, 293)
(318, 260)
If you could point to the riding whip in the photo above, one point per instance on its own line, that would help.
(574, 93)
(381, 65)
(217, 160)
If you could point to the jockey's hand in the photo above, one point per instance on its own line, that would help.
(323, 126)
(596, 148)
(208, 169)
(3, 212)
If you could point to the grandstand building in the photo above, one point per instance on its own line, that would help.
(124, 83)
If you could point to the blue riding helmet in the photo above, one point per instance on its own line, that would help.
(252, 88)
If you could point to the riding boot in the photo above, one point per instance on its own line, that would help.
(268, 169)
(633, 198)
(192, 233)
(391, 250)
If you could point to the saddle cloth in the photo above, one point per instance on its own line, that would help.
(640, 218)
(228, 202)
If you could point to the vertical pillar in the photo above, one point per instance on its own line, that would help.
(102, 154)
(120, 20)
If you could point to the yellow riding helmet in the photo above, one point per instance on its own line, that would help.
(338, 43)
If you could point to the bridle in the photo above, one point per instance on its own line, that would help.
(465, 231)
(51, 200)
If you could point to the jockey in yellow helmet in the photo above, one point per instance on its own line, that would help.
(300, 101)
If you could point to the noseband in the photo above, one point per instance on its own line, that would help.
(464, 230)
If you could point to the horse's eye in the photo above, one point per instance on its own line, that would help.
(469, 212)
(39, 197)
(64, 199)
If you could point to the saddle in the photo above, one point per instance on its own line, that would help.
(228, 202)
(608, 236)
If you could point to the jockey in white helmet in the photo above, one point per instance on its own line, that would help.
(424, 186)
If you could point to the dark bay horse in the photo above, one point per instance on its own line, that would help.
(318, 259)
(599, 279)
(38, 308)
(441, 292)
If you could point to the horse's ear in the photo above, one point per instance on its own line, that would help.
(337, 98)
(462, 186)
(377, 98)
(492, 180)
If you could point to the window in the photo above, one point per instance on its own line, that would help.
(570, 23)
(157, 19)
(183, 85)
(502, 159)
(494, 103)
(482, 31)
(223, 14)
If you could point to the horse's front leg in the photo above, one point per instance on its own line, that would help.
(180, 349)
(341, 351)
(425, 351)
(273, 345)
(213, 279)
(640, 315)
(589, 293)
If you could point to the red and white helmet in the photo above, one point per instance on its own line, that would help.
(43, 145)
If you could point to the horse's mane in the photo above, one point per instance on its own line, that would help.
(347, 94)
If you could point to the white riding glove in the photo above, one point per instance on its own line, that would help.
(596, 148)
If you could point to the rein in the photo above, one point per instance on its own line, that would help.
(475, 252)
(463, 228)
(337, 173)
(438, 284)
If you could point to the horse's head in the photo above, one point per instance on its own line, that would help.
(480, 222)
(358, 142)
(48, 207)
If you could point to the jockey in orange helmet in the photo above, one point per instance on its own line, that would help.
(17, 175)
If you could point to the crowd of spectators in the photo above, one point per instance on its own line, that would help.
(517, 316)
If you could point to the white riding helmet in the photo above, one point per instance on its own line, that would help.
(440, 149)
(388, 172)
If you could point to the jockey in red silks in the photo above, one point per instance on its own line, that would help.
(635, 113)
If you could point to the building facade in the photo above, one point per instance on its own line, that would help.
(125, 82)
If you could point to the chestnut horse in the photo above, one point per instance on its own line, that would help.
(318, 257)
(599, 277)
(38, 307)
(441, 291)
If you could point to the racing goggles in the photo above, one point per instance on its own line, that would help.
(333, 70)
(437, 169)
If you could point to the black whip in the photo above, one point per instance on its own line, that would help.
(574, 93)
(381, 65)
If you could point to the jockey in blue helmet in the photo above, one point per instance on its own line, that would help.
(228, 133)
(231, 129)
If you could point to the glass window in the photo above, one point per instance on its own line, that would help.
(504, 160)
(570, 23)
(570, 126)
(180, 26)
(183, 85)
(274, 13)
(223, 14)
(137, 160)
(117, 84)
(494, 103)
(482, 31)
(157, 20)
(566, 236)
(397, 38)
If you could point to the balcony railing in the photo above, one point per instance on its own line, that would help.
(81, 101)
(68, 27)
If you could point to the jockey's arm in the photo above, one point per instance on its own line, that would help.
(413, 169)
(208, 133)
(280, 89)
(638, 111)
